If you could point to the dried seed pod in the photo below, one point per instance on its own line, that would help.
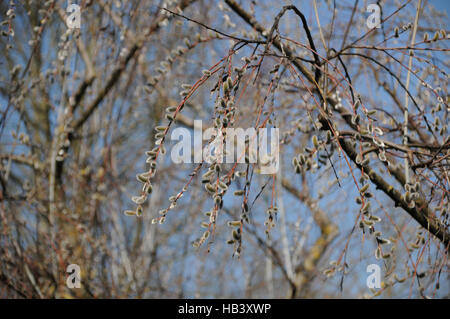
(375, 218)
(302, 159)
(315, 141)
(208, 174)
(329, 137)
(223, 186)
(408, 197)
(400, 280)
(436, 36)
(368, 222)
(171, 109)
(226, 87)
(378, 131)
(142, 178)
(241, 174)
(387, 256)
(151, 161)
(217, 200)
(383, 241)
(151, 153)
(147, 188)
(184, 93)
(378, 142)
(239, 192)
(161, 70)
(275, 68)
(355, 119)
(230, 82)
(365, 209)
(187, 43)
(358, 159)
(139, 211)
(378, 253)
(129, 213)
(365, 162)
(329, 272)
